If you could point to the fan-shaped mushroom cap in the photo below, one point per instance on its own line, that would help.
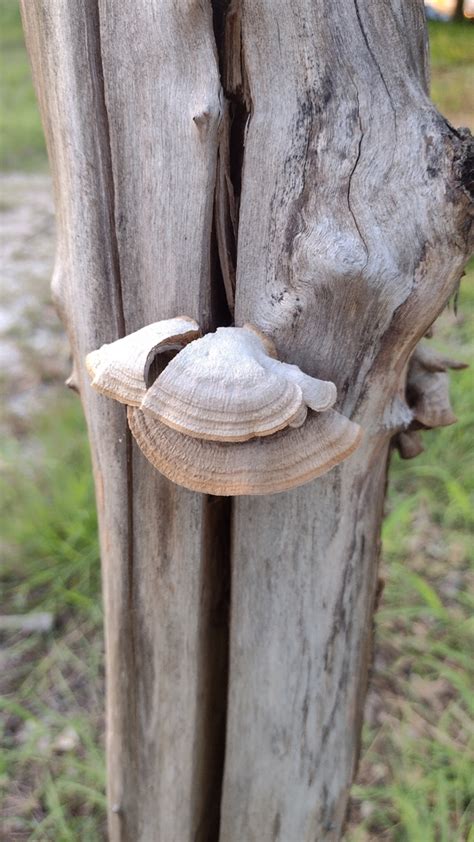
(226, 387)
(119, 370)
(267, 465)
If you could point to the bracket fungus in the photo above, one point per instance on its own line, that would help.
(225, 416)
(120, 369)
(228, 387)
(427, 392)
(268, 465)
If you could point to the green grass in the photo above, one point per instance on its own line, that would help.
(452, 61)
(415, 782)
(48, 521)
(22, 145)
(451, 45)
(52, 685)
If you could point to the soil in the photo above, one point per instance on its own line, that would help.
(34, 356)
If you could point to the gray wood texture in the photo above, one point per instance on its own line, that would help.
(347, 252)
(129, 154)
(291, 150)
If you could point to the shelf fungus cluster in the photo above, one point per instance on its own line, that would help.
(427, 394)
(224, 416)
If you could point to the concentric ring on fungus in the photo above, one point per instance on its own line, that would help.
(267, 465)
(227, 387)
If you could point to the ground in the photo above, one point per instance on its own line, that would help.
(414, 782)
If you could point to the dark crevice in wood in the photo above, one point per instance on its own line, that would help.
(218, 511)
(239, 121)
(214, 666)
(465, 163)
(237, 111)
(223, 256)
(349, 185)
(220, 9)
(222, 310)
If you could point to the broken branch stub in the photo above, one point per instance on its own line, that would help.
(225, 416)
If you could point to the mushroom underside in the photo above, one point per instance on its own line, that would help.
(285, 460)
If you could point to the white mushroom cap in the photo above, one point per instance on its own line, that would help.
(228, 386)
(290, 458)
(120, 369)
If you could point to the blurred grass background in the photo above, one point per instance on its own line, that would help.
(415, 782)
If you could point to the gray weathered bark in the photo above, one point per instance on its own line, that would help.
(315, 167)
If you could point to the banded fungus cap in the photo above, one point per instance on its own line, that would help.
(120, 369)
(285, 460)
(228, 386)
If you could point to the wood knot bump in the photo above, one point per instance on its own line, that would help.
(225, 416)
(209, 115)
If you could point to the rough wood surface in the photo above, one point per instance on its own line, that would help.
(348, 281)
(343, 195)
(348, 248)
(131, 124)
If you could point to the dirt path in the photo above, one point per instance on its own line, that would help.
(34, 356)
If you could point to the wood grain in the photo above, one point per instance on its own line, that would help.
(132, 135)
(348, 248)
(336, 199)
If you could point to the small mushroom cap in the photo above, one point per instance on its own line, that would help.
(226, 387)
(120, 369)
(290, 458)
(409, 444)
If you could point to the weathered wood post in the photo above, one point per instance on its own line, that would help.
(291, 148)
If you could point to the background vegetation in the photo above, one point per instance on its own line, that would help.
(415, 781)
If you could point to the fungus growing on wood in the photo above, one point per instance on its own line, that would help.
(428, 387)
(224, 416)
(427, 392)
(409, 444)
(120, 369)
(228, 386)
(285, 460)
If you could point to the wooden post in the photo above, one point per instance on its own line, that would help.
(292, 146)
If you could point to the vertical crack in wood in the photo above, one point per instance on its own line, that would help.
(351, 176)
(218, 511)
(377, 65)
(214, 659)
(237, 110)
(128, 634)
